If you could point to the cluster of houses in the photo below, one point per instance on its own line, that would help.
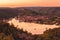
(39, 19)
(31, 18)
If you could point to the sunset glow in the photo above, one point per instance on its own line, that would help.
(25, 3)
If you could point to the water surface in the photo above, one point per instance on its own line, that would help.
(32, 27)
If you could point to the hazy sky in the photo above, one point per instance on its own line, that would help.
(16, 3)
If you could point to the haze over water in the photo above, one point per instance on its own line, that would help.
(31, 27)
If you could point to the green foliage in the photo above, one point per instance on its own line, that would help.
(9, 32)
(5, 37)
(51, 34)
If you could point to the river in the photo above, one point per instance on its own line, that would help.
(31, 27)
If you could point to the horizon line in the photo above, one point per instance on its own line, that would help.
(25, 6)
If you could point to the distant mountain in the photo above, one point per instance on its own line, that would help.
(33, 11)
(6, 13)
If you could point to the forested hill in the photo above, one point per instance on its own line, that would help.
(40, 10)
(33, 11)
(42, 15)
(6, 13)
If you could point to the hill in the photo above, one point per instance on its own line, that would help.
(41, 15)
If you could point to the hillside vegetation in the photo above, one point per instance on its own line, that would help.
(9, 32)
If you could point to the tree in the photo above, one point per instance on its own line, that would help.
(5, 37)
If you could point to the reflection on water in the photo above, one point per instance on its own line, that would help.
(32, 27)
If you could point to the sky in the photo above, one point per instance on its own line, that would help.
(28, 3)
